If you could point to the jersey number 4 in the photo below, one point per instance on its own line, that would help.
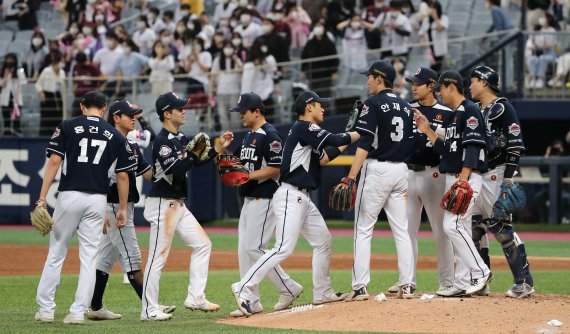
(100, 144)
(398, 133)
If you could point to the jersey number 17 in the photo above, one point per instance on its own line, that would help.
(84, 143)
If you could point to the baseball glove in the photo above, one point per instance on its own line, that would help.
(457, 198)
(511, 199)
(200, 146)
(41, 219)
(343, 199)
(231, 171)
(353, 115)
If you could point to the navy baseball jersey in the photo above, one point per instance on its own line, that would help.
(423, 152)
(301, 155)
(503, 131)
(92, 146)
(260, 148)
(465, 128)
(139, 167)
(170, 163)
(385, 125)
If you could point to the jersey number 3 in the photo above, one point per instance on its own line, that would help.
(398, 133)
(100, 144)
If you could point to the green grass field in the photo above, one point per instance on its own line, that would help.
(18, 292)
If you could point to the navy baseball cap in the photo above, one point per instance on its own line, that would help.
(124, 108)
(383, 69)
(423, 76)
(308, 97)
(169, 101)
(248, 101)
(447, 78)
(94, 99)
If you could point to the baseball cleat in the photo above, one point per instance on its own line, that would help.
(478, 284)
(167, 308)
(286, 300)
(102, 314)
(205, 306)
(126, 279)
(43, 318)
(450, 291)
(485, 292)
(158, 316)
(406, 291)
(333, 297)
(242, 304)
(519, 291)
(238, 313)
(70, 319)
(358, 295)
(394, 288)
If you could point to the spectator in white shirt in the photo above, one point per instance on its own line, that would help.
(198, 64)
(225, 80)
(168, 19)
(434, 30)
(13, 77)
(161, 66)
(49, 85)
(248, 29)
(107, 59)
(543, 50)
(354, 47)
(395, 28)
(144, 37)
(224, 10)
(154, 21)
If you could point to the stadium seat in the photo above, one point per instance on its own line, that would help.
(6, 35)
(24, 36)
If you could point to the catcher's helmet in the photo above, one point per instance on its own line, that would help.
(487, 74)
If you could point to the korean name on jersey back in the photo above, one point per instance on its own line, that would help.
(301, 155)
(423, 153)
(139, 168)
(91, 150)
(386, 127)
(259, 149)
(465, 128)
(168, 150)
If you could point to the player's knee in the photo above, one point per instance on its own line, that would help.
(325, 242)
(204, 247)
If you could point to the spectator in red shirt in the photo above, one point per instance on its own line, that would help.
(82, 82)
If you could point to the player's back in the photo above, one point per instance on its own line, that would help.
(91, 147)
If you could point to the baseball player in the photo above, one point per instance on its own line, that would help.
(307, 147)
(122, 242)
(505, 146)
(87, 146)
(462, 160)
(386, 126)
(260, 152)
(167, 214)
(424, 179)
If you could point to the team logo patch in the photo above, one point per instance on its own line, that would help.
(365, 110)
(164, 151)
(314, 127)
(454, 120)
(493, 177)
(128, 147)
(275, 146)
(472, 122)
(419, 71)
(514, 129)
(435, 175)
(253, 142)
(438, 117)
(56, 133)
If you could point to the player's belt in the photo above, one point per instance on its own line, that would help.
(418, 168)
(292, 186)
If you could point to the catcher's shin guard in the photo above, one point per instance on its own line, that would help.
(479, 229)
(514, 251)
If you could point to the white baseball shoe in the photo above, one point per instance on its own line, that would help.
(286, 300)
(126, 279)
(449, 291)
(205, 306)
(520, 291)
(394, 288)
(71, 319)
(167, 308)
(406, 291)
(102, 314)
(478, 284)
(158, 316)
(44, 318)
(238, 313)
(333, 297)
(485, 292)
(358, 295)
(242, 304)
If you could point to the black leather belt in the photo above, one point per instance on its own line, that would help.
(418, 168)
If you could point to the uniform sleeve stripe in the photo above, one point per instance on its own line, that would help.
(322, 141)
(144, 170)
(55, 151)
(170, 166)
(473, 141)
(274, 163)
(125, 168)
(363, 129)
(514, 147)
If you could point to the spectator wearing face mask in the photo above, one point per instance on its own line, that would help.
(197, 65)
(167, 41)
(53, 49)
(224, 10)
(395, 29)
(107, 59)
(144, 37)
(168, 19)
(241, 52)
(131, 65)
(354, 47)
(161, 66)
(83, 73)
(248, 29)
(34, 57)
(321, 74)
(277, 45)
(300, 23)
(370, 14)
(99, 28)
(225, 80)
(217, 44)
(49, 85)
(11, 97)
(155, 23)
(400, 85)
(543, 51)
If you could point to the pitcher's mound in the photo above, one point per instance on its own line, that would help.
(492, 314)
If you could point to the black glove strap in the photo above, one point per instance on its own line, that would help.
(332, 152)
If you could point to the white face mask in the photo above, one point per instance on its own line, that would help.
(101, 30)
(277, 16)
(180, 30)
(108, 44)
(141, 25)
(267, 28)
(73, 31)
(79, 42)
(319, 31)
(542, 21)
(36, 41)
(264, 49)
(151, 17)
(91, 1)
(245, 18)
(196, 47)
(99, 17)
(236, 42)
(166, 40)
(379, 4)
(190, 25)
(228, 52)
(87, 30)
(355, 25)
(398, 67)
(233, 23)
(243, 3)
(184, 13)
(127, 50)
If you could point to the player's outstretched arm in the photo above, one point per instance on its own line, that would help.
(423, 125)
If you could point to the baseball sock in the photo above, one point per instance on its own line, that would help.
(136, 279)
(484, 252)
(100, 284)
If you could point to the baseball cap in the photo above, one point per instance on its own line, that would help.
(449, 77)
(124, 108)
(308, 97)
(169, 101)
(383, 69)
(248, 101)
(94, 99)
(423, 76)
